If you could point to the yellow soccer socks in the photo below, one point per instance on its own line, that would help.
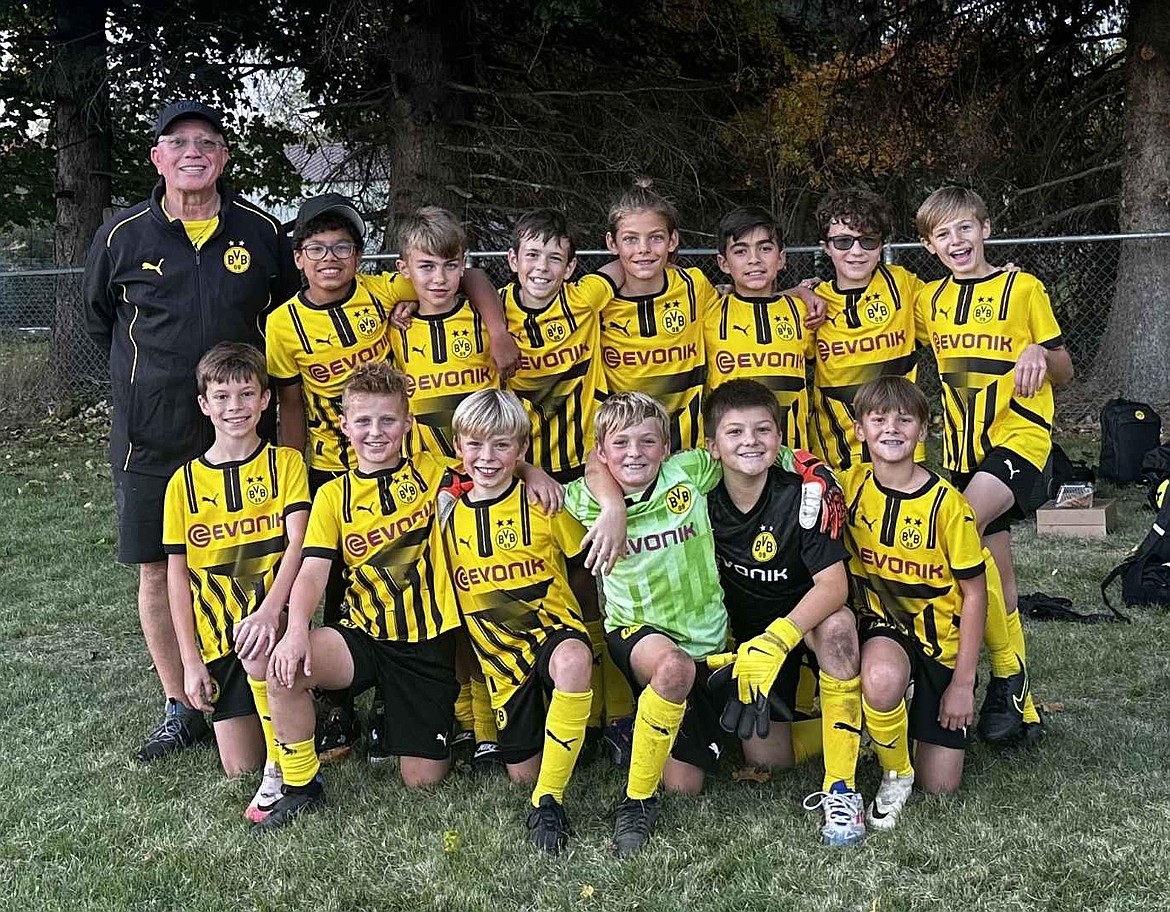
(1015, 632)
(260, 698)
(656, 725)
(807, 741)
(464, 712)
(597, 681)
(484, 718)
(564, 733)
(890, 732)
(840, 728)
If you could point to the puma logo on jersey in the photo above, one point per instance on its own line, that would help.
(422, 351)
(832, 320)
(868, 522)
(328, 340)
(567, 745)
(742, 329)
(211, 500)
(466, 543)
(1011, 468)
(624, 326)
(945, 312)
(368, 509)
(665, 732)
(150, 267)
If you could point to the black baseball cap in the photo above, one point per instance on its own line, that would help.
(179, 109)
(334, 203)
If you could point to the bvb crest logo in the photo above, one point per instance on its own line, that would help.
(678, 499)
(983, 312)
(367, 323)
(461, 346)
(674, 320)
(876, 311)
(764, 547)
(257, 491)
(555, 331)
(501, 718)
(506, 538)
(407, 490)
(784, 329)
(236, 258)
(910, 537)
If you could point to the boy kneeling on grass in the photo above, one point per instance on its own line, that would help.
(507, 559)
(233, 523)
(918, 566)
(664, 611)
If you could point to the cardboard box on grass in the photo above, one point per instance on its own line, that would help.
(1096, 521)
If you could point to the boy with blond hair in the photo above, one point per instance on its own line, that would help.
(233, 523)
(1000, 352)
(507, 559)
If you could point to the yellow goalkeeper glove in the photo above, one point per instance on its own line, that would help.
(758, 660)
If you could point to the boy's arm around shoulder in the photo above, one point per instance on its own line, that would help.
(606, 537)
(482, 294)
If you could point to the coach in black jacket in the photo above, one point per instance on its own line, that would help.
(166, 280)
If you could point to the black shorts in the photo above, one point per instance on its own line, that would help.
(335, 587)
(700, 739)
(235, 696)
(520, 721)
(1014, 471)
(418, 686)
(138, 502)
(930, 677)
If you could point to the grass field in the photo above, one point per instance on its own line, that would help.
(1080, 824)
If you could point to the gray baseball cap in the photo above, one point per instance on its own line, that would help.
(334, 203)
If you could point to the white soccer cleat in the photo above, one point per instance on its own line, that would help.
(843, 815)
(891, 797)
(267, 795)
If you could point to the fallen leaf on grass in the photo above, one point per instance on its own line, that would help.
(751, 774)
(1051, 707)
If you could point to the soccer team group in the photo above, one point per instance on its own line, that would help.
(652, 443)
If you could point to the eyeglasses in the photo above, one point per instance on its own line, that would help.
(846, 242)
(342, 250)
(204, 144)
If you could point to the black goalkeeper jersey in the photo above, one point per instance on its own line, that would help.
(766, 561)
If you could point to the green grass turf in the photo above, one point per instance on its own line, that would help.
(1082, 823)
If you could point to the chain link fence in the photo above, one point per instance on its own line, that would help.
(45, 353)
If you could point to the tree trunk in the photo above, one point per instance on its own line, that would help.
(431, 53)
(1134, 353)
(82, 137)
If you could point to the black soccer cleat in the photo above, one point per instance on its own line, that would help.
(376, 748)
(548, 825)
(486, 760)
(337, 732)
(618, 738)
(181, 727)
(1001, 718)
(632, 824)
(590, 747)
(296, 800)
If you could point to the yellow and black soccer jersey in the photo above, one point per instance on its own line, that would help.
(445, 358)
(560, 378)
(763, 339)
(384, 527)
(654, 344)
(318, 346)
(868, 333)
(978, 329)
(907, 553)
(228, 520)
(507, 560)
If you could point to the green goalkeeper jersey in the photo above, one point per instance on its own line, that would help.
(668, 579)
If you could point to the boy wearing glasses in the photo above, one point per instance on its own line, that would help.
(869, 328)
(315, 340)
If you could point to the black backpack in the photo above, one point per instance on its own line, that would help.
(1145, 574)
(1129, 430)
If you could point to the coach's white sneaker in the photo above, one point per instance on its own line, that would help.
(891, 797)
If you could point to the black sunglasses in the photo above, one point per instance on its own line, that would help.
(846, 241)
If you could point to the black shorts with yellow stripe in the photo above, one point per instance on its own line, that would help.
(418, 686)
(930, 679)
(700, 740)
(1017, 473)
(520, 721)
